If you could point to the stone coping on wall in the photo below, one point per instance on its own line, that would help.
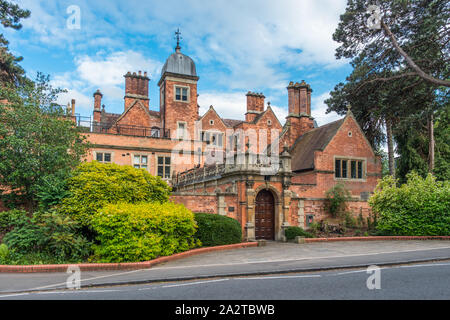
(375, 238)
(323, 199)
(119, 266)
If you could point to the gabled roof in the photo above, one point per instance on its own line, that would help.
(108, 119)
(302, 151)
(259, 116)
(232, 122)
(211, 109)
(150, 113)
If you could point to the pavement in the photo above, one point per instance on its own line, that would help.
(274, 258)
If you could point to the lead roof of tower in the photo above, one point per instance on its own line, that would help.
(179, 63)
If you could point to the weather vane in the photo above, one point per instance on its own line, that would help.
(178, 38)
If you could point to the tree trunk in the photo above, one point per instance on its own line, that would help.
(390, 143)
(431, 143)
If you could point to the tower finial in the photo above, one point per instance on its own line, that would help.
(178, 38)
(349, 108)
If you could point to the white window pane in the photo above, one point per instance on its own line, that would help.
(144, 159)
(137, 160)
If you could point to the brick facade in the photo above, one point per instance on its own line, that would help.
(220, 166)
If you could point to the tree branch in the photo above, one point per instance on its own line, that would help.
(410, 62)
(402, 75)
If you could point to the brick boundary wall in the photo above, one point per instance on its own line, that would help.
(379, 238)
(119, 266)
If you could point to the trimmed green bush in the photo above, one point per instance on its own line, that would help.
(421, 207)
(94, 185)
(292, 232)
(216, 230)
(142, 231)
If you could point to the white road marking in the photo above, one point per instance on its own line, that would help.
(349, 272)
(424, 265)
(278, 277)
(193, 283)
(13, 295)
(81, 280)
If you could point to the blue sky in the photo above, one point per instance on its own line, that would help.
(238, 46)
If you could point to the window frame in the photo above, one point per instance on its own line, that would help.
(96, 153)
(188, 93)
(140, 155)
(353, 167)
(164, 166)
(184, 133)
(208, 135)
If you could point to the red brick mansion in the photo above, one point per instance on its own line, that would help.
(265, 175)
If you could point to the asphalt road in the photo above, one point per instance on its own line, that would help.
(419, 281)
(275, 258)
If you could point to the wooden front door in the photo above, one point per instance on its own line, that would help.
(265, 216)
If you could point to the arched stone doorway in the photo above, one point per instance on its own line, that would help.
(265, 216)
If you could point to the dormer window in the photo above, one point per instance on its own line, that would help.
(181, 94)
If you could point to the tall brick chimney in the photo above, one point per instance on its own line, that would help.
(136, 87)
(97, 105)
(299, 97)
(255, 105)
(73, 107)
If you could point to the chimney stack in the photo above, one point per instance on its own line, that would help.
(73, 107)
(255, 105)
(136, 87)
(299, 97)
(97, 105)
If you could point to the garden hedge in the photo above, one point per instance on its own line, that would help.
(93, 185)
(292, 232)
(421, 207)
(129, 232)
(216, 230)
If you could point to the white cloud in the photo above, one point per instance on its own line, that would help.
(227, 105)
(257, 45)
(103, 72)
(109, 70)
(319, 108)
(232, 105)
(246, 41)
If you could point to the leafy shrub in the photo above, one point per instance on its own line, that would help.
(51, 191)
(50, 234)
(292, 232)
(349, 220)
(4, 253)
(360, 219)
(10, 219)
(336, 198)
(421, 207)
(315, 227)
(142, 231)
(216, 230)
(94, 185)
